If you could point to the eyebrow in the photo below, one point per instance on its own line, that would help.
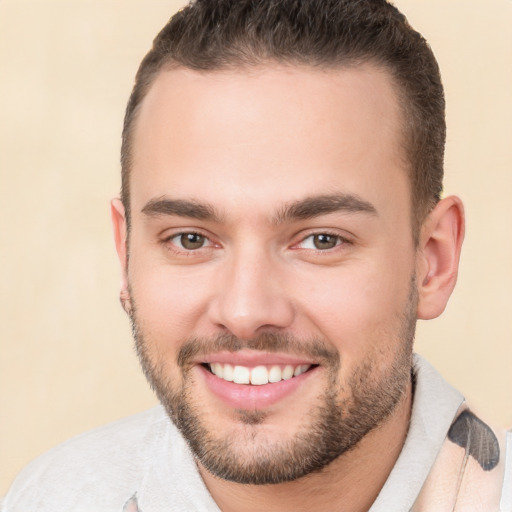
(316, 206)
(302, 209)
(181, 208)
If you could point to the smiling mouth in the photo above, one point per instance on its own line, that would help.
(257, 375)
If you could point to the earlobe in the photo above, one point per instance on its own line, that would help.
(441, 240)
(120, 237)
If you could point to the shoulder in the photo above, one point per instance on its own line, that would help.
(506, 498)
(472, 470)
(107, 462)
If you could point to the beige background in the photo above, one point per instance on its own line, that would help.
(66, 69)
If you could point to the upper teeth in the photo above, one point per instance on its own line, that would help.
(258, 375)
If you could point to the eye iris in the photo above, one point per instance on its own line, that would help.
(324, 241)
(192, 240)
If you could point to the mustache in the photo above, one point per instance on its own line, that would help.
(315, 348)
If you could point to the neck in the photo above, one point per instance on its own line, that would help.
(351, 483)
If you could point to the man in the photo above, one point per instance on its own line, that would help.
(280, 230)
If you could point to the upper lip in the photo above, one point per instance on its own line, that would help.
(251, 358)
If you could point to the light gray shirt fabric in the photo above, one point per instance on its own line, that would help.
(506, 497)
(143, 459)
(434, 408)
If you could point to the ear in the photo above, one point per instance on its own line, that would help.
(439, 249)
(120, 236)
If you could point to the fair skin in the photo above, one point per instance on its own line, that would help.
(253, 148)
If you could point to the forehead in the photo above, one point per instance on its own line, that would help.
(300, 128)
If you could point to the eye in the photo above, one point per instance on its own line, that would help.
(190, 241)
(321, 242)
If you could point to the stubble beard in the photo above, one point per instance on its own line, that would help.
(333, 426)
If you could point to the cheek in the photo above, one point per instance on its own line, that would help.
(169, 302)
(358, 308)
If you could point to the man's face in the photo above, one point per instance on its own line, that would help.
(271, 237)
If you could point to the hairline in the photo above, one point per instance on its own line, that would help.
(403, 104)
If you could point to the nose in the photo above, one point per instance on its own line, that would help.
(250, 295)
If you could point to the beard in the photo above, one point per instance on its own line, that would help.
(332, 427)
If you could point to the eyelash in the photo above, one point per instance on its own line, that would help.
(340, 241)
(174, 247)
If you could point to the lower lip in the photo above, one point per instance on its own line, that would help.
(250, 397)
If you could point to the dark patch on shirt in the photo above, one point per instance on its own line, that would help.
(477, 438)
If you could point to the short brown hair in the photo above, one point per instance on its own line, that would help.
(222, 34)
